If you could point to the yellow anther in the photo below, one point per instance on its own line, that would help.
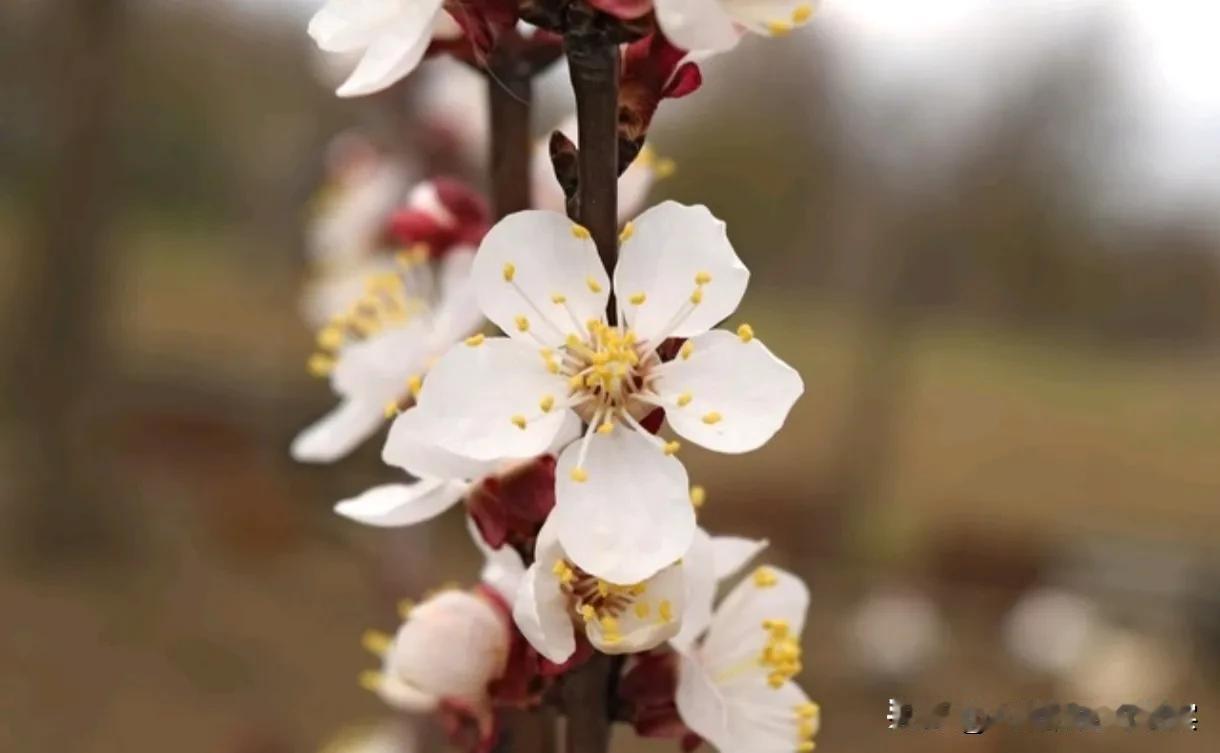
(518, 421)
(637, 589)
(703, 278)
(320, 365)
(746, 333)
(573, 342)
(688, 347)
(671, 447)
(807, 710)
(637, 299)
(664, 167)
(697, 296)
(415, 383)
(805, 729)
(805, 746)
(546, 403)
(628, 231)
(594, 285)
(779, 626)
(665, 610)
(603, 588)
(552, 366)
(684, 399)
(606, 427)
(579, 475)
(510, 271)
(370, 680)
(475, 341)
(609, 623)
(375, 642)
(523, 324)
(698, 496)
(765, 577)
(711, 418)
(330, 337)
(391, 409)
(558, 299)
(576, 381)
(404, 608)
(612, 639)
(588, 612)
(642, 609)
(779, 28)
(581, 232)
(802, 13)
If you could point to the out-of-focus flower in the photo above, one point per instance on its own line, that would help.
(717, 25)
(1123, 664)
(735, 687)
(449, 649)
(381, 738)
(392, 37)
(622, 508)
(653, 69)
(1050, 629)
(894, 633)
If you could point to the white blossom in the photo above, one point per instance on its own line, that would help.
(717, 25)
(622, 508)
(735, 687)
(449, 648)
(376, 353)
(391, 37)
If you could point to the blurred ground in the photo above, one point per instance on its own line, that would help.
(1004, 391)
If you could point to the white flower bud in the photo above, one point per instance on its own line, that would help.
(451, 646)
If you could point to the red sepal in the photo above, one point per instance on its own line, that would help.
(653, 69)
(511, 507)
(625, 9)
(647, 691)
(464, 222)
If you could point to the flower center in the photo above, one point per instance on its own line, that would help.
(595, 600)
(606, 373)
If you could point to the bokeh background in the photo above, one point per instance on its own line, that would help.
(985, 232)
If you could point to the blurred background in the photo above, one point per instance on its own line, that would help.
(986, 233)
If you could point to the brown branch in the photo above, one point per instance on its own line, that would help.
(510, 93)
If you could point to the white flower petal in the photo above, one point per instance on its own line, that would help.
(697, 24)
(739, 392)
(475, 393)
(376, 369)
(731, 553)
(345, 26)
(405, 697)
(391, 505)
(541, 608)
(395, 51)
(411, 447)
(632, 515)
(457, 311)
(337, 433)
(671, 246)
(503, 569)
(700, 703)
(736, 629)
(530, 260)
(770, 18)
(645, 624)
(698, 567)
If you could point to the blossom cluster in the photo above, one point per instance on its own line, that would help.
(559, 433)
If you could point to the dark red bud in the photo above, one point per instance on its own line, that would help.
(625, 9)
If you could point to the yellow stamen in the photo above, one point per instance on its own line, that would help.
(546, 403)
(664, 167)
(684, 399)
(606, 427)
(628, 231)
(391, 409)
(594, 285)
(765, 577)
(665, 610)
(697, 296)
(779, 28)
(320, 365)
(523, 324)
(518, 421)
(330, 337)
(642, 609)
(671, 447)
(802, 13)
(588, 613)
(703, 278)
(510, 271)
(414, 384)
(475, 341)
(404, 608)
(688, 347)
(637, 299)
(711, 418)
(698, 496)
(579, 475)
(581, 232)
(370, 680)
(558, 299)
(375, 642)
(746, 333)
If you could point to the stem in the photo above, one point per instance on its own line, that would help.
(594, 67)
(510, 93)
(586, 703)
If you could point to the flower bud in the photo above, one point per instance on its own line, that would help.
(451, 647)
